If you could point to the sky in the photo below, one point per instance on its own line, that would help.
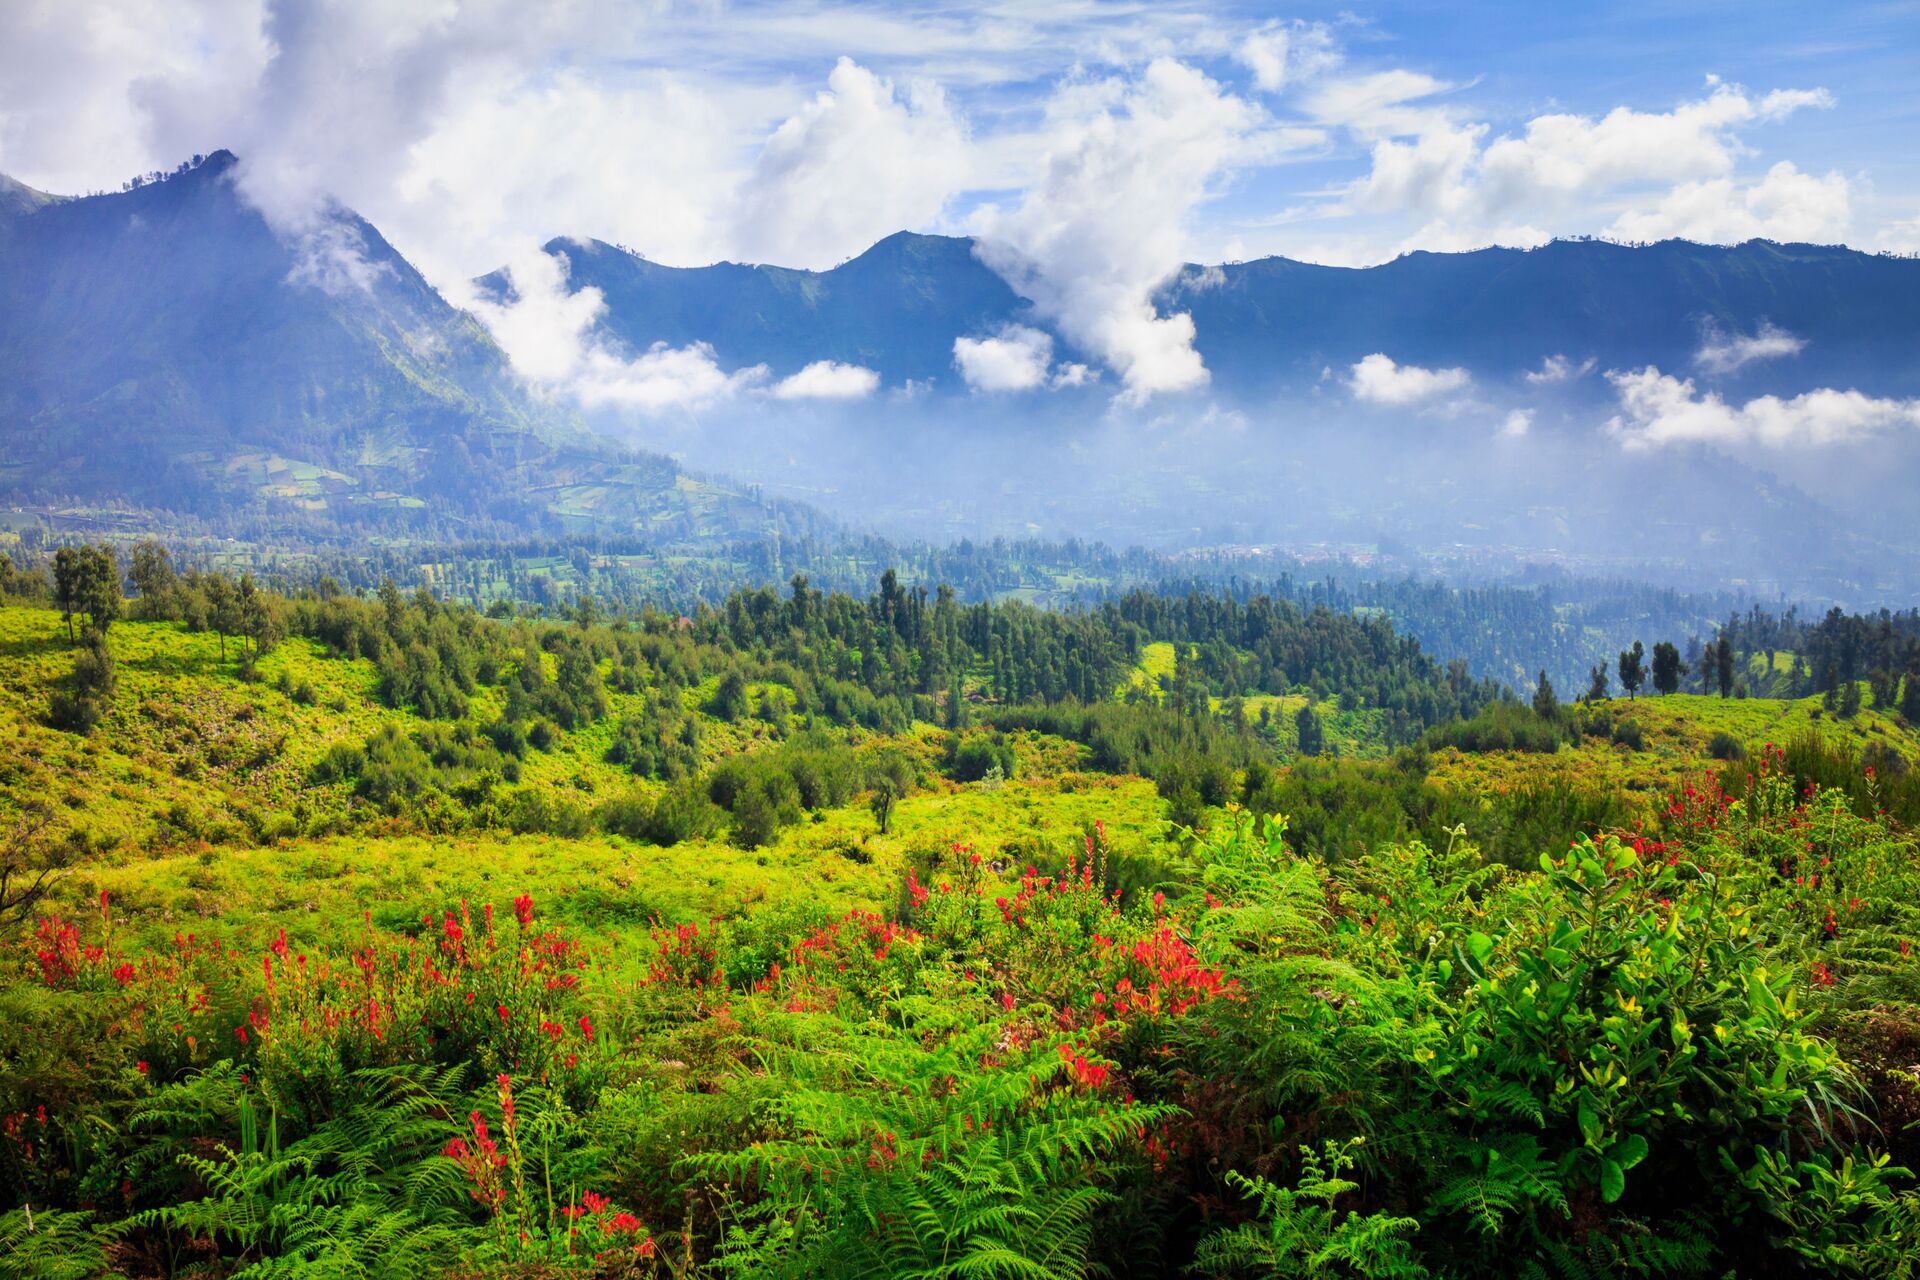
(1093, 147)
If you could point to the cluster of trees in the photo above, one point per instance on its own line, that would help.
(1829, 657)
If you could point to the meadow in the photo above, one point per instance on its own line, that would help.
(361, 964)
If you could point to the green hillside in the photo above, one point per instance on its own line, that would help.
(389, 938)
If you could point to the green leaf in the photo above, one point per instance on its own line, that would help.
(1480, 945)
(1629, 1151)
(1613, 1181)
(1589, 1123)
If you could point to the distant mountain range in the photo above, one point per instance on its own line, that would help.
(162, 349)
(164, 352)
(1266, 325)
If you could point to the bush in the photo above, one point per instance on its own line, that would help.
(1504, 726)
(971, 758)
(1630, 735)
(1724, 746)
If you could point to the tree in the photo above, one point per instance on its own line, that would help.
(1910, 698)
(66, 585)
(886, 793)
(1310, 736)
(254, 613)
(222, 610)
(1723, 665)
(1545, 705)
(1597, 687)
(154, 579)
(100, 593)
(1633, 670)
(1667, 668)
(78, 707)
(30, 864)
(1849, 699)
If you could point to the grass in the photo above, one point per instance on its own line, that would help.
(178, 789)
(1679, 730)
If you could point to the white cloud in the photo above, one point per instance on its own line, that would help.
(857, 162)
(1278, 53)
(1379, 380)
(1559, 368)
(1654, 173)
(660, 379)
(1657, 410)
(1723, 353)
(1517, 424)
(1785, 205)
(1104, 226)
(828, 380)
(548, 334)
(1015, 359)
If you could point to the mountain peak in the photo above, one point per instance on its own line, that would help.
(17, 198)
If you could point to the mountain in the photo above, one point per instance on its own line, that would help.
(1266, 325)
(163, 349)
(895, 309)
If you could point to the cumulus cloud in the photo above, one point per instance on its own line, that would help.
(548, 333)
(1658, 410)
(1666, 173)
(1379, 380)
(859, 161)
(1723, 353)
(1278, 53)
(1516, 424)
(828, 380)
(1784, 205)
(1559, 368)
(1103, 227)
(1016, 359)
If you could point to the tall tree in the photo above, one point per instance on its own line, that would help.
(67, 573)
(1597, 684)
(1309, 734)
(154, 579)
(1723, 665)
(1545, 704)
(1667, 668)
(1633, 668)
(221, 615)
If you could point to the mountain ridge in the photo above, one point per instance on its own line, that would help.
(1262, 324)
(163, 349)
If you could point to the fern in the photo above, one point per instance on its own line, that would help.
(1301, 1233)
(900, 1154)
(50, 1245)
(365, 1194)
(1501, 1179)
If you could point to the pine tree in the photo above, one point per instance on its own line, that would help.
(1597, 688)
(1545, 704)
(1633, 671)
(1311, 738)
(1723, 665)
(1667, 668)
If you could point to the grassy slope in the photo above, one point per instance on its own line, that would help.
(186, 737)
(1679, 729)
(188, 751)
(1360, 733)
